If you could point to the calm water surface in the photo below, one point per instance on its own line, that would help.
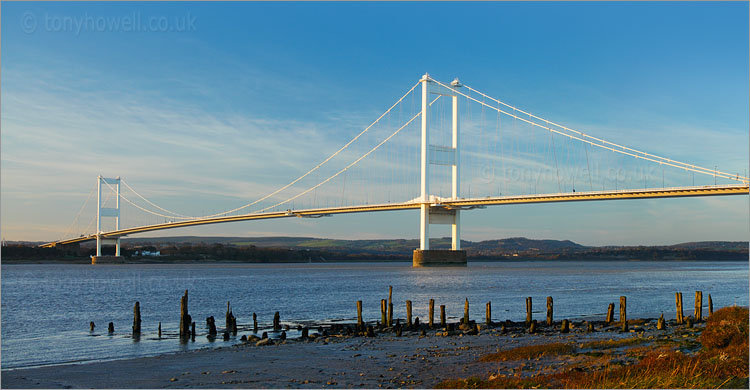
(46, 309)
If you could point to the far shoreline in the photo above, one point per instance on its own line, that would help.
(405, 261)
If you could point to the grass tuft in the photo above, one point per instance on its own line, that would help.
(611, 343)
(529, 352)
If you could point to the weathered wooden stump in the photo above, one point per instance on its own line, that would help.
(360, 324)
(159, 329)
(488, 314)
(710, 306)
(416, 322)
(678, 305)
(442, 316)
(305, 333)
(230, 321)
(225, 336)
(528, 311)
(211, 325)
(390, 306)
(610, 313)
(370, 331)
(698, 315)
(408, 314)
(565, 327)
(503, 328)
(661, 324)
(623, 314)
(264, 335)
(111, 327)
(255, 323)
(185, 319)
(466, 312)
(688, 322)
(549, 311)
(276, 322)
(590, 327)
(137, 318)
(92, 326)
(431, 322)
(283, 335)
(383, 312)
(532, 327)
(192, 330)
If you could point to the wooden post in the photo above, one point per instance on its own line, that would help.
(111, 327)
(359, 315)
(159, 329)
(610, 313)
(432, 313)
(678, 304)
(408, 314)
(661, 324)
(532, 327)
(383, 313)
(710, 306)
(528, 311)
(698, 315)
(185, 318)
(565, 327)
(228, 318)
(466, 311)
(623, 314)
(442, 316)
(192, 331)
(92, 325)
(390, 306)
(255, 323)
(549, 311)
(489, 313)
(276, 322)
(137, 318)
(211, 322)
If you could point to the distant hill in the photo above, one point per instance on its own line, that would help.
(404, 246)
(296, 249)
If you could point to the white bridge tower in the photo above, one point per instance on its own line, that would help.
(111, 212)
(439, 155)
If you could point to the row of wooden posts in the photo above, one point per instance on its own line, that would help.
(187, 326)
(386, 317)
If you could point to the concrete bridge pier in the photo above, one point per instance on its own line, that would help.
(108, 259)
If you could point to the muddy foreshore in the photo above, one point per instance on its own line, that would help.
(334, 359)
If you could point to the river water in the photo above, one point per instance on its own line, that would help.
(46, 308)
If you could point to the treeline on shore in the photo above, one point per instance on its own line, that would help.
(208, 252)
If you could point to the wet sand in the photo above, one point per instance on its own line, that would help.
(384, 361)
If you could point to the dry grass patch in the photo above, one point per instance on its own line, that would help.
(529, 352)
(612, 343)
(721, 363)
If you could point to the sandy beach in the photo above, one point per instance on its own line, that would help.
(384, 361)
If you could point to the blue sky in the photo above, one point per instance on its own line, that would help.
(215, 105)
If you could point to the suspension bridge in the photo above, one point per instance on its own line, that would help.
(442, 148)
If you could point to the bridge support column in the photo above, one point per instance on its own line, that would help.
(447, 155)
(102, 212)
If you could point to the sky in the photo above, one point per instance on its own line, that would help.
(204, 107)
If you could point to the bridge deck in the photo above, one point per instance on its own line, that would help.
(677, 192)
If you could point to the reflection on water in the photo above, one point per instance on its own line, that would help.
(46, 309)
